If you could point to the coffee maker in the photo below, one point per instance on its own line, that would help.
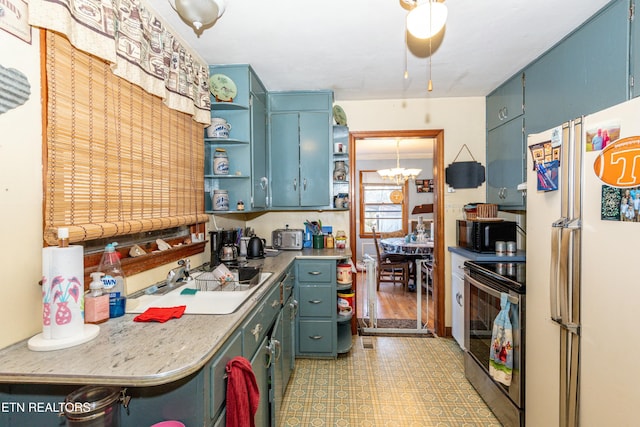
(228, 253)
(216, 247)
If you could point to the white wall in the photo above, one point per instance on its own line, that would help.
(463, 122)
(21, 197)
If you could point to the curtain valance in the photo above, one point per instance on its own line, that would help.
(136, 43)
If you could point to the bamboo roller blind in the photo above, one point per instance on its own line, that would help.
(118, 161)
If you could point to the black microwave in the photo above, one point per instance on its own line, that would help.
(481, 236)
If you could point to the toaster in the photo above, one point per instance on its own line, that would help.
(287, 239)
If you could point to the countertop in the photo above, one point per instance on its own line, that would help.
(488, 257)
(132, 354)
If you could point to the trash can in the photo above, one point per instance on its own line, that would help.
(94, 406)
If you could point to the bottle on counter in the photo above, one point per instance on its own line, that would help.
(113, 280)
(96, 304)
(341, 240)
(330, 241)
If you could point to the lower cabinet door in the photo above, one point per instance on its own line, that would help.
(315, 337)
(457, 311)
(288, 340)
(217, 373)
(261, 371)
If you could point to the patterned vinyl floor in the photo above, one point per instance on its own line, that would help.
(399, 382)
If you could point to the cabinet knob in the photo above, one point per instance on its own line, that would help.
(295, 184)
(275, 303)
(459, 299)
(315, 301)
(315, 337)
(304, 184)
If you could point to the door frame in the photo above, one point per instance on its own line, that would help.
(438, 207)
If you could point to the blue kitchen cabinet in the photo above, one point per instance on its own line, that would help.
(585, 73)
(505, 144)
(506, 102)
(300, 142)
(217, 376)
(506, 162)
(316, 321)
(246, 145)
(259, 157)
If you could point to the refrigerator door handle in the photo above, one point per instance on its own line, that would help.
(556, 231)
(563, 275)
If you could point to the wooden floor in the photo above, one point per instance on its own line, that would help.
(393, 302)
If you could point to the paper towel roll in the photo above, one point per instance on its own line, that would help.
(62, 292)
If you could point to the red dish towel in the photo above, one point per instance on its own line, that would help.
(160, 314)
(243, 395)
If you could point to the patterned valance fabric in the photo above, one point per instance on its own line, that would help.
(137, 44)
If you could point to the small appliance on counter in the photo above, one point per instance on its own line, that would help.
(287, 239)
(255, 248)
(482, 235)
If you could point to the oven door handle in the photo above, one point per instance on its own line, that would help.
(487, 289)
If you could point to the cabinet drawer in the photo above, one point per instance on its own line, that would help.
(317, 301)
(315, 336)
(217, 377)
(457, 264)
(300, 101)
(259, 324)
(316, 271)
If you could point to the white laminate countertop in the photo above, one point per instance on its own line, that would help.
(139, 354)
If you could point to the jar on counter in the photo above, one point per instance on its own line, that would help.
(220, 162)
(340, 240)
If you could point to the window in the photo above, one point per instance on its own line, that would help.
(377, 209)
(118, 161)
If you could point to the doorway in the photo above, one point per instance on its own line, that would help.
(437, 137)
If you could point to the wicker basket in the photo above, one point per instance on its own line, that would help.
(487, 210)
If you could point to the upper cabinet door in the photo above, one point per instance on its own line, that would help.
(585, 73)
(506, 102)
(285, 160)
(506, 162)
(315, 137)
(259, 152)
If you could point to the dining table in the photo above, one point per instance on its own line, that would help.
(400, 245)
(421, 255)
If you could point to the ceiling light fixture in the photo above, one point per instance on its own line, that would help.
(199, 13)
(398, 174)
(426, 19)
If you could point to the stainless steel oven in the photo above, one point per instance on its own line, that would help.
(484, 285)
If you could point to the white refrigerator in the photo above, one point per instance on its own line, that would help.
(583, 272)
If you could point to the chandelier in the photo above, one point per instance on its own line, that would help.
(398, 174)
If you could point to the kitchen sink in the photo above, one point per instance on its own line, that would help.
(224, 300)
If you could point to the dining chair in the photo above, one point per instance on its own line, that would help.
(392, 268)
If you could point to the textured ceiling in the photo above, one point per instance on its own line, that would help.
(357, 47)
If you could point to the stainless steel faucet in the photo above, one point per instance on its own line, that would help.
(179, 274)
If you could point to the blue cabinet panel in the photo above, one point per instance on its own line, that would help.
(585, 73)
(284, 152)
(506, 164)
(506, 102)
